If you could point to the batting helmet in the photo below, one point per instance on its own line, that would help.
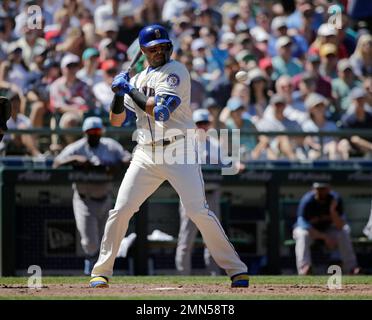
(153, 35)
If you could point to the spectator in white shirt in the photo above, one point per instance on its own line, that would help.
(316, 106)
(102, 90)
(276, 120)
(20, 144)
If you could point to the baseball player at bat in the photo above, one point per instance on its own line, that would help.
(160, 98)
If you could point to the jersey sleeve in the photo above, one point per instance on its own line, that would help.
(303, 213)
(67, 152)
(120, 154)
(173, 81)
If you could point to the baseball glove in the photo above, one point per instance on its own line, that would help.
(5, 111)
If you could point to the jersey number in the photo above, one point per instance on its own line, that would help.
(149, 92)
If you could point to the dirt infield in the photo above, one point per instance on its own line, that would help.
(188, 291)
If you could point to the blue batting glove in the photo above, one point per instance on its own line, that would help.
(121, 85)
(125, 75)
(161, 113)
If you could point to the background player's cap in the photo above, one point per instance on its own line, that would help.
(201, 115)
(319, 185)
(92, 123)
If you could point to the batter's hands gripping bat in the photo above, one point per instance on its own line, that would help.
(135, 49)
(134, 52)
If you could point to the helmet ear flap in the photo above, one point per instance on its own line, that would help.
(170, 48)
(170, 51)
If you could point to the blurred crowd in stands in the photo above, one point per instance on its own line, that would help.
(305, 73)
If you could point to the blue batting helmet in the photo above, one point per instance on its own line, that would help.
(153, 35)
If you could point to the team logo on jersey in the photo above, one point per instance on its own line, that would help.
(173, 80)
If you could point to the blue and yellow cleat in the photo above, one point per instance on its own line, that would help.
(240, 280)
(99, 282)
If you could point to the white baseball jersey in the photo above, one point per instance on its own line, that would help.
(172, 79)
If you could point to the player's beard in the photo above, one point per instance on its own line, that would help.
(93, 140)
(159, 60)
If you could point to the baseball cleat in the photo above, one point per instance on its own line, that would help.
(99, 282)
(240, 281)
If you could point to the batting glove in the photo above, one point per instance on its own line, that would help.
(161, 113)
(125, 75)
(121, 85)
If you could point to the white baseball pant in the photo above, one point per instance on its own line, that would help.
(142, 178)
(187, 235)
(344, 244)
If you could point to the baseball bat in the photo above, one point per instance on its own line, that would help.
(134, 60)
(117, 120)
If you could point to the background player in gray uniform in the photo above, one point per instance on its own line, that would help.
(160, 97)
(188, 231)
(91, 201)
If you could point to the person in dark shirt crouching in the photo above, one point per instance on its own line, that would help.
(320, 217)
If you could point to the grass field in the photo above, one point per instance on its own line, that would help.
(190, 288)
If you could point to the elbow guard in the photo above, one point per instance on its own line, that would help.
(165, 105)
(171, 102)
(161, 113)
